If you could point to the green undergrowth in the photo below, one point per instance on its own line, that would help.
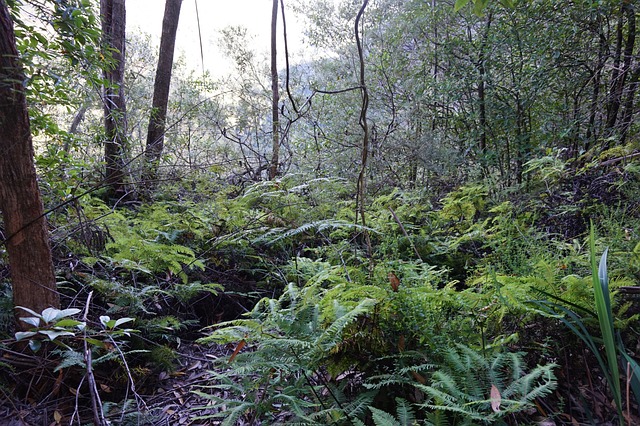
(443, 323)
(368, 339)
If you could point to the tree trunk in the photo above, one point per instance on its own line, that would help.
(275, 95)
(27, 237)
(482, 81)
(620, 71)
(155, 134)
(361, 184)
(627, 118)
(592, 133)
(113, 15)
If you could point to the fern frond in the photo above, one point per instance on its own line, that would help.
(382, 418)
(320, 226)
(71, 358)
(358, 407)
(232, 416)
(331, 335)
(405, 413)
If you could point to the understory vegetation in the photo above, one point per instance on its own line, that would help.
(479, 267)
(466, 313)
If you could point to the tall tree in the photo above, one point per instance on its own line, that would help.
(155, 134)
(113, 15)
(26, 234)
(275, 95)
(623, 58)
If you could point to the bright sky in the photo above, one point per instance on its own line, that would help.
(255, 15)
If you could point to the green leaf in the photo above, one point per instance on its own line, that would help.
(122, 321)
(34, 321)
(478, 6)
(459, 5)
(50, 314)
(24, 335)
(104, 320)
(35, 345)
(53, 334)
(29, 311)
(605, 318)
(95, 342)
(67, 313)
(68, 322)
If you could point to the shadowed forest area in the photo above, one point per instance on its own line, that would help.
(432, 219)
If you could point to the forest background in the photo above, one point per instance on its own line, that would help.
(432, 219)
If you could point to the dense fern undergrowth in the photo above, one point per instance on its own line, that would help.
(469, 307)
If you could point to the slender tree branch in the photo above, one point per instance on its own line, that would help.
(360, 188)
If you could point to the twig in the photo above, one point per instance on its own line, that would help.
(96, 403)
(139, 401)
(619, 159)
(395, 217)
(77, 397)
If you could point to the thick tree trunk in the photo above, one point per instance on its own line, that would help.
(275, 95)
(27, 237)
(113, 14)
(155, 134)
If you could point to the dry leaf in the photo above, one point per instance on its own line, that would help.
(238, 349)
(56, 385)
(105, 388)
(496, 398)
(401, 343)
(57, 416)
(394, 281)
(419, 377)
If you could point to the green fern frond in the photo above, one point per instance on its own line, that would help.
(463, 383)
(405, 412)
(70, 358)
(358, 407)
(382, 418)
(329, 338)
(319, 226)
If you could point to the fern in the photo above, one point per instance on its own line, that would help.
(462, 384)
(320, 226)
(404, 415)
(382, 418)
(289, 344)
(70, 358)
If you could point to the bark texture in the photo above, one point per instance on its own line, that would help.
(275, 96)
(157, 120)
(113, 15)
(25, 229)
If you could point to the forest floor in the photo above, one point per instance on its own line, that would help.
(165, 398)
(174, 398)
